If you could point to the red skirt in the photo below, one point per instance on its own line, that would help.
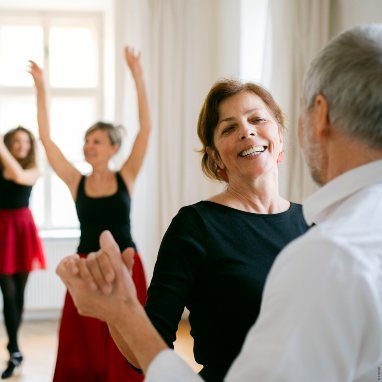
(20, 247)
(86, 350)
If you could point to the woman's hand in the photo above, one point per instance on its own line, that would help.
(3, 148)
(100, 285)
(99, 268)
(37, 74)
(133, 61)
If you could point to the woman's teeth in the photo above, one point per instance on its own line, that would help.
(253, 151)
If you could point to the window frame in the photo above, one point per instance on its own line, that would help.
(48, 19)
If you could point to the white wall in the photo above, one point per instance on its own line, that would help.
(349, 13)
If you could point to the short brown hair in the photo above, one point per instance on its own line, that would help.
(114, 132)
(209, 116)
(30, 160)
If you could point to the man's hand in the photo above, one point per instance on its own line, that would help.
(100, 270)
(100, 296)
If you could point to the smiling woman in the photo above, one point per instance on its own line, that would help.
(247, 138)
(20, 247)
(216, 254)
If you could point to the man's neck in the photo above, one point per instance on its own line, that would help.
(346, 153)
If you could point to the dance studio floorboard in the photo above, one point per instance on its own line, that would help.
(38, 342)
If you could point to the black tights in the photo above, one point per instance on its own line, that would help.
(12, 287)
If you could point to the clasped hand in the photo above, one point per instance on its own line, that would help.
(101, 282)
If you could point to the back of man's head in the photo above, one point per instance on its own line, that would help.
(348, 73)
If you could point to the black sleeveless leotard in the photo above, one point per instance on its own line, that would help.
(104, 213)
(13, 195)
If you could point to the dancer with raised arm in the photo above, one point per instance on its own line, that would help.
(20, 247)
(86, 351)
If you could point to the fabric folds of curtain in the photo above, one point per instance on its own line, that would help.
(296, 31)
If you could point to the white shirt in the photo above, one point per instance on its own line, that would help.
(321, 315)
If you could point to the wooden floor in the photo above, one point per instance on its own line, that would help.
(38, 342)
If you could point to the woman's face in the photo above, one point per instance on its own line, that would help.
(20, 145)
(247, 137)
(98, 148)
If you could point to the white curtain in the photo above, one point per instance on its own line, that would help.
(297, 30)
(182, 65)
(186, 46)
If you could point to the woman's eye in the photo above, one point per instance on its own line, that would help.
(256, 120)
(228, 129)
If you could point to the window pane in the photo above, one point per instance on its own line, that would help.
(16, 111)
(63, 209)
(73, 57)
(18, 44)
(70, 117)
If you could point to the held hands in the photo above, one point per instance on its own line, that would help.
(37, 74)
(133, 60)
(102, 281)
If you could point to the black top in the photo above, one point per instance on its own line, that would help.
(214, 260)
(105, 213)
(13, 195)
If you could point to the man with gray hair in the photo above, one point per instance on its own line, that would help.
(321, 316)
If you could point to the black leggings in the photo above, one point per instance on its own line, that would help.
(12, 287)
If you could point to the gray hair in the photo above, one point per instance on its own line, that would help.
(114, 132)
(348, 73)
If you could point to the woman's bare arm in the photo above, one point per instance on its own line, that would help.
(133, 164)
(62, 167)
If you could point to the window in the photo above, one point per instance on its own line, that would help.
(253, 31)
(68, 47)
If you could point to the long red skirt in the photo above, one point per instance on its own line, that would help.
(20, 247)
(86, 350)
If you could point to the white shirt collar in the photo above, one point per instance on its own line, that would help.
(317, 206)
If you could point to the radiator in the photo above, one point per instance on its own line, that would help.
(44, 295)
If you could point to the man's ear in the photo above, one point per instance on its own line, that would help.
(214, 155)
(320, 117)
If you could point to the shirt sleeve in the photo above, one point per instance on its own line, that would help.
(313, 318)
(181, 255)
(168, 366)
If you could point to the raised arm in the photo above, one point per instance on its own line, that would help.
(62, 167)
(131, 167)
(13, 170)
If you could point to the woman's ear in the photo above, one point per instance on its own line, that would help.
(116, 148)
(280, 158)
(214, 155)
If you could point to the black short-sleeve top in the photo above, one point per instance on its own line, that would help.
(214, 260)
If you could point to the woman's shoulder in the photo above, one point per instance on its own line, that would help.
(190, 217)
(201, 209)
(295, 208)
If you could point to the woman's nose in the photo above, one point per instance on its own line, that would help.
(246, 132)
